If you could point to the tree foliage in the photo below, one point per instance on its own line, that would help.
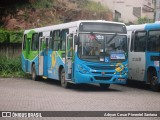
(11, 36)
(27, 14)
(95, 7)
(143, 20)
(11, 2)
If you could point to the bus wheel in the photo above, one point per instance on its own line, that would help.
(34, 75)
(64, 83)
(154, 81)
(104, 86)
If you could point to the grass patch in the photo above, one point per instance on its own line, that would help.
(11, 67)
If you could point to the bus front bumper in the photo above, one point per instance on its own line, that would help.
(99, 78)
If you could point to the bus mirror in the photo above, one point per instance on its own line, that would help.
(76, 41)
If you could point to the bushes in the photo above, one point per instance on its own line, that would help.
(38, 4)
(11, 36)
(143, 20)
(10, 67)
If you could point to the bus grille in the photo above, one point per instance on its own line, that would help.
(104, 72)
(102, 67)
(102, 78)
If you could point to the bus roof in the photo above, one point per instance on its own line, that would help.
(148, 26)
(136, 27)
(67, 25)
(152, 26)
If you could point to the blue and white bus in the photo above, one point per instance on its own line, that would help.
(85, 51)
(144, 54)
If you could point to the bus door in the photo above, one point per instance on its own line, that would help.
(46, 56)
(28, 42)
(41, 55)
(137, 56)
(69, 56)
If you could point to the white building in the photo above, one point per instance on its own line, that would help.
(130, 10)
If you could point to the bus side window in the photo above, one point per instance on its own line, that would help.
(47, 44)
(35, 42)
(132, 42)
(70, 45)
(24, 42)
(158, 44)
(64, 32)
(43, 45)
(51, 41)
(153, 43)
(40, 40)
(56, 35)
(128, 42)
(140, 41)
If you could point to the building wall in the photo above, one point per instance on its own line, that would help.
(157, 16)
(130, 10)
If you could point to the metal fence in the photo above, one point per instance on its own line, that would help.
(10, 66)
(10, 59)
(10, 49)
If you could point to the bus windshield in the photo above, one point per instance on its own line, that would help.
(102, 47)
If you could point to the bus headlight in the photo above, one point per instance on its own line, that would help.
(82, 69)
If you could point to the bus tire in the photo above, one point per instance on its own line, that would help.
(104, 86)
(153, 78)
(34, 74)
(64, 83)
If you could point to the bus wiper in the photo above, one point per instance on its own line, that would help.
(112, 38)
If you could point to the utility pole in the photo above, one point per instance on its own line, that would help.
(155, 9)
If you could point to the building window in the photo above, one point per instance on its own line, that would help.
(137, 11)
(117, 15)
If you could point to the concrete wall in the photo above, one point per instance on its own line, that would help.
(125, 8)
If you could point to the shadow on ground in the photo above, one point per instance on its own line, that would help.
(138, 85)
(79, 87)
